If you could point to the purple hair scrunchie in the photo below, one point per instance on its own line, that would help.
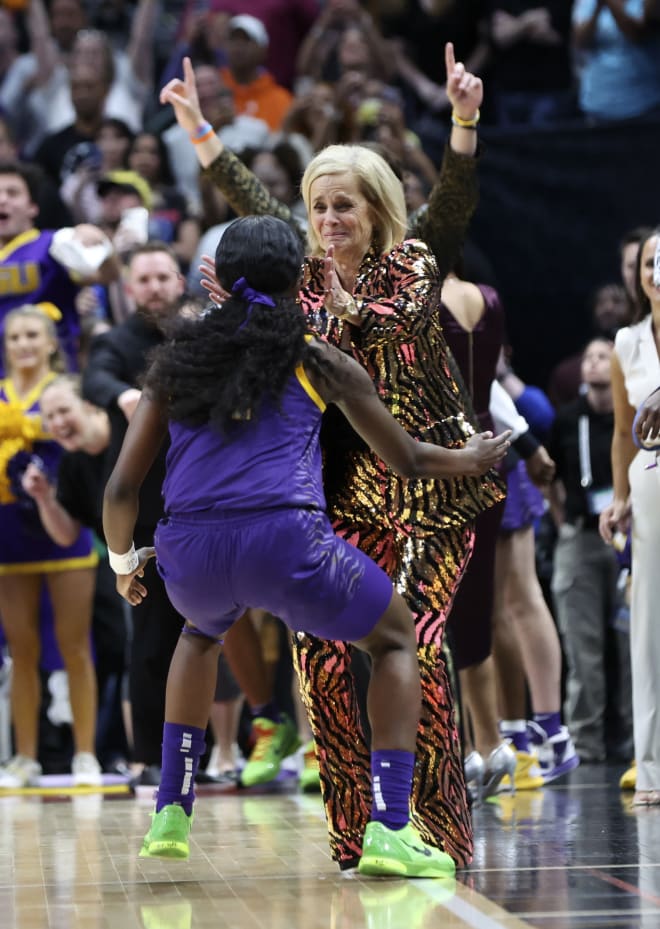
(242, 289)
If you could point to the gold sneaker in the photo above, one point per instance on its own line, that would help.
(527, 775)
(629, 778)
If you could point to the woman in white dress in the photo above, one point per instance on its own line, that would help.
(635, 373)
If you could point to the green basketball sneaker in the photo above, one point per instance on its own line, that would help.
(168, 836)
(310, 776)
(401, 853)
(273, 743)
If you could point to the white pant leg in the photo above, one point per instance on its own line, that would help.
(645, 620)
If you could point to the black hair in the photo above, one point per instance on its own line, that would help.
(286, 156)
(219, 369)
(634, 236)
(165, 173)
(597, 337)
(122, 128)
(30, 173)
(264, 250)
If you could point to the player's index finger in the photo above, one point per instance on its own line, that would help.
(450, 61)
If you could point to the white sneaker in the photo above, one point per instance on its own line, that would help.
(556, 754)
(86, 770)
(21, 771)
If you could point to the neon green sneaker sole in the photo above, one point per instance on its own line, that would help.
(168, 836)
(401, 853)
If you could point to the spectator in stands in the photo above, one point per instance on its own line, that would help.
(49, 103)
(120, 191)
(619, 58)
(169, 219)
(254, 89)
(85, 163)
(526, 643)
(30, 272)
(317, 115)
(416, 190)
(203, 41)
(287, 22)
(50, 35)
(531, 63)
(609, 311)
(122, 194)
(89, 87)
(628, 252)
(8, 43)
(344, 39)
(417, 32)
(584, 583)
(52, 210)
(380, 118)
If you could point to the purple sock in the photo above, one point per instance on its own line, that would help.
(551, 722)
(268, 710)
(183, 746)
(516, 731)
(391, 780)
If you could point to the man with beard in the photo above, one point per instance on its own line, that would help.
(116, 363)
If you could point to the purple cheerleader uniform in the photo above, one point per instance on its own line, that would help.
(30, 274)
(25, 546)
(246, 526)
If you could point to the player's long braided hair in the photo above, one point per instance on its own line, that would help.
(219, 368)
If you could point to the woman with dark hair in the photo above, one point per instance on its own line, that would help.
(87, 162)
(246, 385)
(169, 218)
(373, 293)
(635, 373)
(473, 322)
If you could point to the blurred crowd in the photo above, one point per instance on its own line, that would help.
(104, 221)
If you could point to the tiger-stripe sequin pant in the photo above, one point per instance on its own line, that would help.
(427, 573)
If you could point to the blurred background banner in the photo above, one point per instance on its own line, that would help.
(554, 206)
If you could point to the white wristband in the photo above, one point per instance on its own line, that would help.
(124, 564)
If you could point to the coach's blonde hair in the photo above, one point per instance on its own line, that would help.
(376, 182)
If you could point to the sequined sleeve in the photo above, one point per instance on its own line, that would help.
(395, 305)
(444, 222)
(244, 192)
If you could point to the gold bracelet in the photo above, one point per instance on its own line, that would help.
(465, 123)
